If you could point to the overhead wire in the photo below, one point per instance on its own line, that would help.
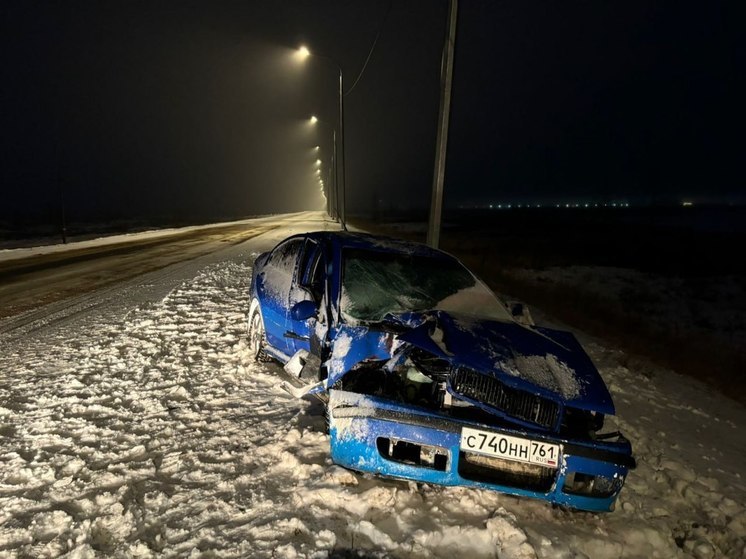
(372, 48)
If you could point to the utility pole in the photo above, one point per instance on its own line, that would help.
(441, 146)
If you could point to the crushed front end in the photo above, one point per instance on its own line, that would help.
(413, 410)
(385, 437)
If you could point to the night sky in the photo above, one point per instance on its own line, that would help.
(198, 110)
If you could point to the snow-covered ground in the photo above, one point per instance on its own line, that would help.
(709, 306)
(141, 428)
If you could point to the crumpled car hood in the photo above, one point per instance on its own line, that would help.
(543, 361)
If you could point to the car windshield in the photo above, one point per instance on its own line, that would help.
(376, 283)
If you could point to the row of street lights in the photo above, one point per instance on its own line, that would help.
(433, 233)
(332, 199)
(317, 173)
(336, 197)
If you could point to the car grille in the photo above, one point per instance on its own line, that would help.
(531, 477)
(510, 401)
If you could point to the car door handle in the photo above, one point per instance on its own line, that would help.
(294, 336)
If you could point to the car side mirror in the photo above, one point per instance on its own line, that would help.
(520, 313)
(303, 310)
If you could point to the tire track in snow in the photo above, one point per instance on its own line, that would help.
(151, 407)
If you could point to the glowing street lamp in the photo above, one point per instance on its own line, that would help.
(313, 119)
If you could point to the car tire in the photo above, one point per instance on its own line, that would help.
(257, 340)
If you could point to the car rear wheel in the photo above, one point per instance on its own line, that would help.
(256, 336)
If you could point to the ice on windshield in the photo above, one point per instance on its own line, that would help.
(375, 284)
(476, 300)
(278, 273)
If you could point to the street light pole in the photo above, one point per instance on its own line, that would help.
(342, 146)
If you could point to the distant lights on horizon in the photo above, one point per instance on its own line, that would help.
(568, 205)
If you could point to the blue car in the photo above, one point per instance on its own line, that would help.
(428, 376)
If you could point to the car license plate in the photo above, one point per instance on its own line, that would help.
(510, 448)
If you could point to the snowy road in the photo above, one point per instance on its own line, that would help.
(30, 278)
(134, 424)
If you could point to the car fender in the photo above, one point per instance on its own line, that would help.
(352, 345)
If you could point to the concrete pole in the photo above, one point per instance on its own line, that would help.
(441, 146)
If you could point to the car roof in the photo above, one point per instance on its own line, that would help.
(340, 240)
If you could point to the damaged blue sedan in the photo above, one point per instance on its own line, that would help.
(428, 376)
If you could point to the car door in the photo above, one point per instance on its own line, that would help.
(278, 281)
(308, 286)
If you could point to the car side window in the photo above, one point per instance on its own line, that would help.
(280, 268)
(315, 276)
(285, 256)
(309, 253)
(311, 272)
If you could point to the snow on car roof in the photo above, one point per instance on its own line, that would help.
(346, 239)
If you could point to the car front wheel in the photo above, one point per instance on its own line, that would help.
(256, 336)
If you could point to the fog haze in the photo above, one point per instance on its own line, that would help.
(197, 110)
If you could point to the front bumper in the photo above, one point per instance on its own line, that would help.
(380, 436)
